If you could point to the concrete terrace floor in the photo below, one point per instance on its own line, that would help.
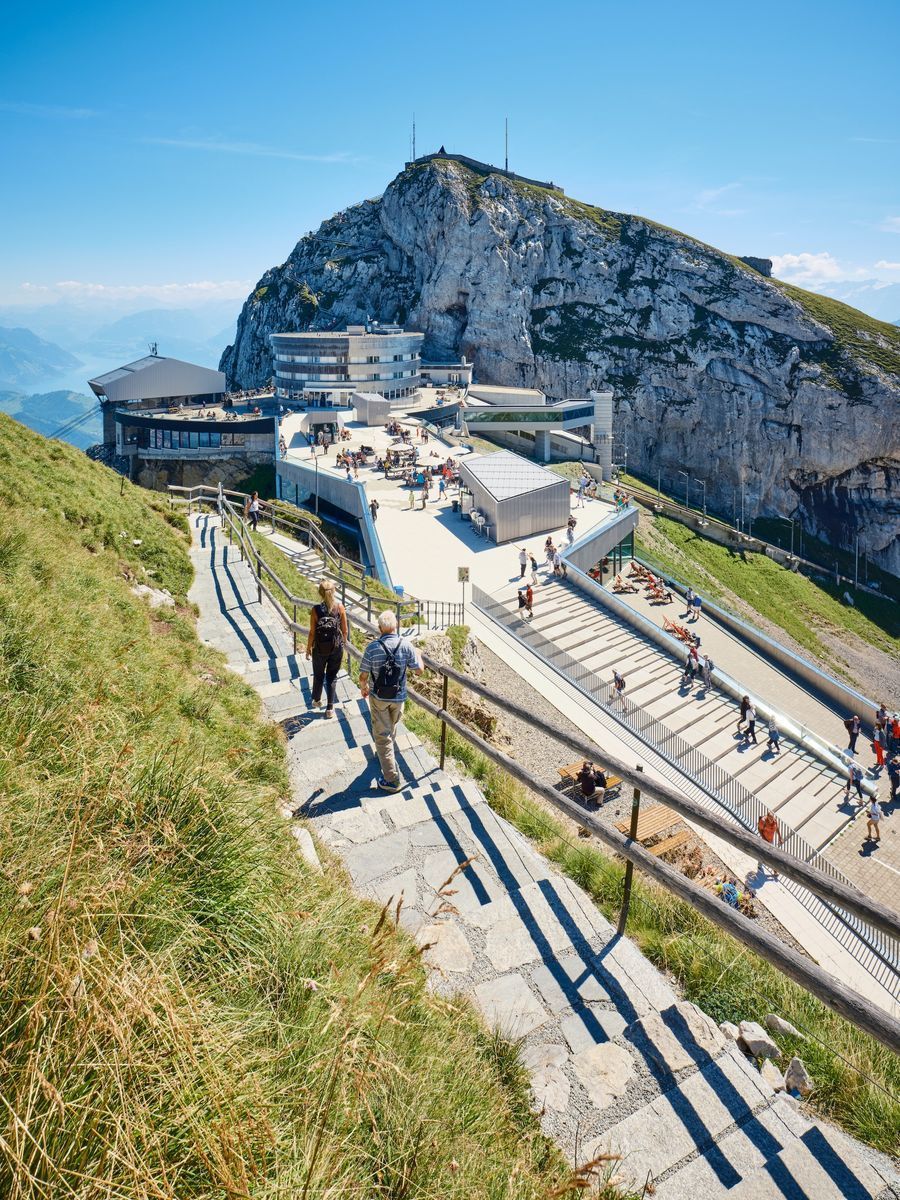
(617, 1062)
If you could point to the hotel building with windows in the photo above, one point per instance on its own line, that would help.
(323, 370)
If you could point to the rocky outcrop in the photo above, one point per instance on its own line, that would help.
(742, 380)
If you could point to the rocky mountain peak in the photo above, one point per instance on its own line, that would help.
(715, 367)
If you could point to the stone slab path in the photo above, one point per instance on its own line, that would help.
(618, 1062)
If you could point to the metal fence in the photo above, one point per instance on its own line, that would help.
(882, 953)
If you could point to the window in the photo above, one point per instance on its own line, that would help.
(204, 438)
(195, 440)
(167, 439)
(215, 440)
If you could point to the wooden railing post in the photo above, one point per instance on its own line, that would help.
(629, 866)
(444, 699)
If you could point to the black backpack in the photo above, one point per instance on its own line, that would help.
(328, 630)
(389, 679)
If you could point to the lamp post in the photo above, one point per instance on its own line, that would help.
(702, 483)
(316, 461)
(790, 521)
(687, 488)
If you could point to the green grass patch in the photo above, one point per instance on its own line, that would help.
(187, 1009)
(875, 342)
(716, 972)
(803, 607)
(458, 635)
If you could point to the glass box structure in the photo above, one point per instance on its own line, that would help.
(516, 497)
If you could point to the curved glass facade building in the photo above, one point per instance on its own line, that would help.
(323, 370)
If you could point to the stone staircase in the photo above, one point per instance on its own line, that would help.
(806, 795)
(617, 1061)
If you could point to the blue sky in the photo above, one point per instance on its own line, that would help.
(172, 152)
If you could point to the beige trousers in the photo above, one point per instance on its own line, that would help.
(386, 716)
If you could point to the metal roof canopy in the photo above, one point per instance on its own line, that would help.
(505, 475)
(156, 377)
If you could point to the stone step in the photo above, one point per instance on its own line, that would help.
(820, 1165)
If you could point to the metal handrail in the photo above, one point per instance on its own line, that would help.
(720, 786)
(857, 1009)
(411, 609)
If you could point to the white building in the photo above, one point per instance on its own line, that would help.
(323, 370)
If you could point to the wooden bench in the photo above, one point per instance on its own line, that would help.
(569, 774)
(670, 843)
(651, 821)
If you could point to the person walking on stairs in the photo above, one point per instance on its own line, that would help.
(534, 570)
(328, 634)
(529, 600)
(619, 688)
(768, 829)
(745, 704)
(523, 561)
(373, 508)
(382, 680)
(251, 510)
(893, 769)
(774, 739)
(707, 670)
(750, 731)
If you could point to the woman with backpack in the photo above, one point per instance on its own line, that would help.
(325, 645)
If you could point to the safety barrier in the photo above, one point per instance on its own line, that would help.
(882, 953)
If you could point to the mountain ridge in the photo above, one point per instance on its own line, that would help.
(749, 382)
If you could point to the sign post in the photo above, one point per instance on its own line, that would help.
(462, 576)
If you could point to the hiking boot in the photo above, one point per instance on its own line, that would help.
(385, 785)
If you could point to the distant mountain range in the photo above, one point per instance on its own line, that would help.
(48, 412)
(61, 346)
(27, 360)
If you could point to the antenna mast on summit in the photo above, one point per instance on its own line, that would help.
(414, 138)
(506, 144)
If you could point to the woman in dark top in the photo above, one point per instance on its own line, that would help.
(328, 634)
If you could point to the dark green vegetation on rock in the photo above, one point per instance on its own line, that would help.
(187, 1009)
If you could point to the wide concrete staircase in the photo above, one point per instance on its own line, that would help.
(806, 795)
(617, 1061)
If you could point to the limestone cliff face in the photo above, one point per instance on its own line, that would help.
(715, 368)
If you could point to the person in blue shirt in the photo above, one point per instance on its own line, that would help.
(382, 680)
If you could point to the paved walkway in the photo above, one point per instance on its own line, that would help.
(617, 1061)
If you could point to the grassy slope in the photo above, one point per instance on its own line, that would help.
(803, 607)
(875, 342)
(186, 1009)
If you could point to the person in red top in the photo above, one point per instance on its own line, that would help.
(767, 825)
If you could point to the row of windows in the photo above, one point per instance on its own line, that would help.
(343, 358)
(184, 439)
(346, 377)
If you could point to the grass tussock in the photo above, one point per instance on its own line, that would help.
(857, 1079)
(187, 1009)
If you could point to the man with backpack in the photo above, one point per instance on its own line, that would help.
(382, 678)
(328, 635)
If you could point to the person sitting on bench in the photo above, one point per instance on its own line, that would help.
(591, 779)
